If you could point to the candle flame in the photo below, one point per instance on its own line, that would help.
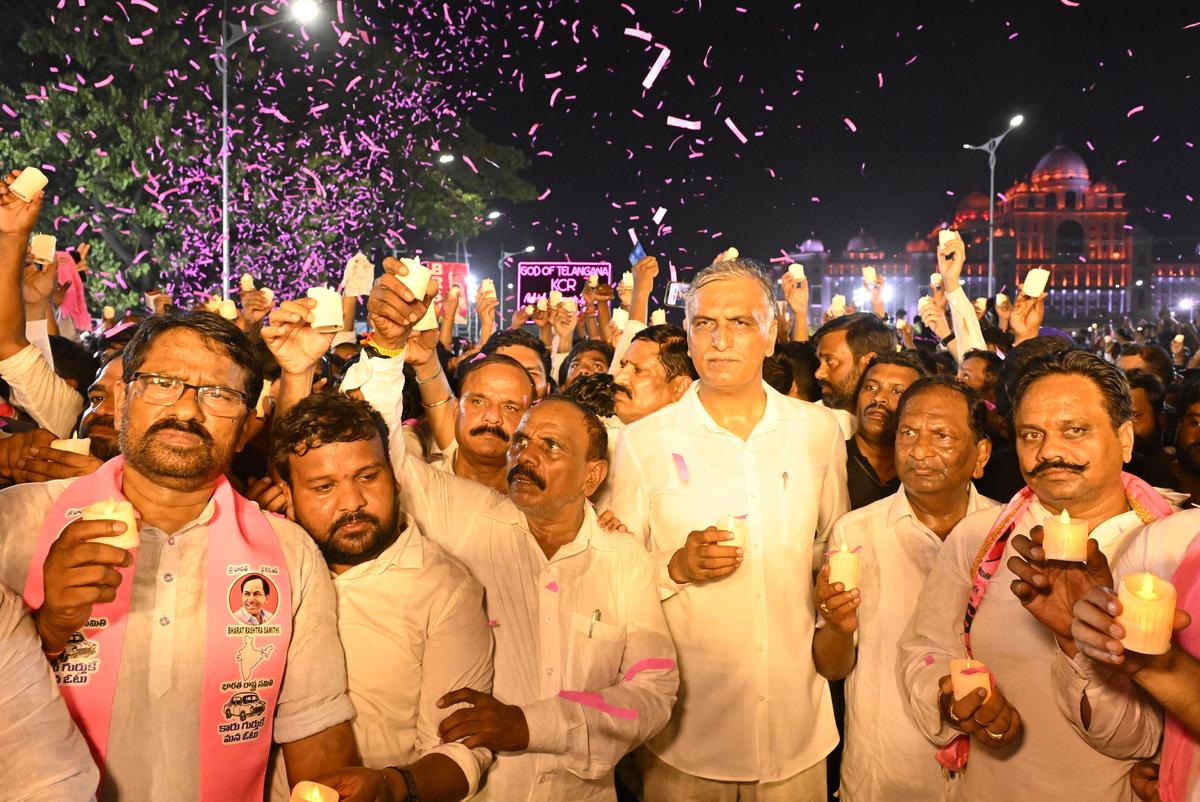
(314, 795)
(110, 505)
(1146, 591)
(1065, 517)
(843, 546)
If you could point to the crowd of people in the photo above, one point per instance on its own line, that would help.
(590, 556)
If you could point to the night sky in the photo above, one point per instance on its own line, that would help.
(915, 81)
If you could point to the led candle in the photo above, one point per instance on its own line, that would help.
(228, 310)
(1065, 538)
(213, 304)
(542, 304)
(417, 279)
(620, 318)
(736, 525)
(935, 280)
(658, 317)
(28, 183)
(1035, 282)
(1179, 339)
(259, 407)
(947, 235)
(843, 567)
(529, 310)
(487, 287)
(627, 280)
(247, 282)
(869, 275)
(307, 791)
(1001, 299)
(594, 280)
(112, 510)
(923, 304)
(838, 305)
(796, 271)
(269, 294)
(76, 445)
(328, 314)
(730, 253)
(42, 246)
(108, 312)
(555, 298)
(1147, 613)
(428, 320)
(968, 676)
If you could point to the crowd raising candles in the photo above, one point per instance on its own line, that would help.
(250, 551)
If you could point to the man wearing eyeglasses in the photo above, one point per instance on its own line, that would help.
(142, 634)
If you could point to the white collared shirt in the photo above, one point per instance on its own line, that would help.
(886, 757)
(1020, 653)
(412, 624)
(583, 620)
(757, 710)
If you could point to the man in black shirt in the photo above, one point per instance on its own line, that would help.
(870, 453)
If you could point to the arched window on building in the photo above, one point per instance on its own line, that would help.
(1051, 200)
(1069, 202)
(1068, 239)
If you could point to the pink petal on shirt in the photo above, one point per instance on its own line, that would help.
(928, 659)
(682, 467)
(649, 664)
(595, 701)
(552, 587)
(493, 623)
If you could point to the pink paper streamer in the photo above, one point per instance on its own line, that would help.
(659, 63)
(682, 467)
(649, 664)
(736, 132)
(659, 214)
(638, 34)
(552, 587)
(1134, 111)
(596, 701)
(678, 122)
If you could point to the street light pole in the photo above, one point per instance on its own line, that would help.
(504, 257)
(990, 147)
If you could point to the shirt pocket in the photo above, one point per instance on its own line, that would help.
(594, 654)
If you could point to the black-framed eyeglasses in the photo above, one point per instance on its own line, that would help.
(162, 391)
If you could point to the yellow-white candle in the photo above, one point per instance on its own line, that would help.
(869, 275)
(796, 271)
(113, 510)
(1065, 538)
(108, 312)
(935, 280)
(529, 310)
(594, 280)
(1001, 299)
(843, 567)
(42, 246)
(555, 298)
(76, 445)
(968, 676)
(247, 282)
(269, 294)
(570, 305)
(658, 317)
(947, 235)
(737, 526)
(838, 305)
(417, 279)
(28, 183)
(730, 253)
(620, 318)
(542, 304)
(627, 280)
(981, 304)
(428, 320)
(307, 791)
(1147, 613)
(487, 287)
(327, 316)
(228, 310)
(1035, 282)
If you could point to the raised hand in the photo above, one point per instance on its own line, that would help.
(255, 307)
(39, 281)
(16, 216)
(1026, 317)
(289, 335)
(392, 310)
(951, 258)
(795, 292)
(703, 559)
(45, 463)
(267, 494)
(421, 347)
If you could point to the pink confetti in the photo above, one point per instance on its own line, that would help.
(103, 82)
(733, 127)
(1069, 3)
(552, 587)
(850, 124)
(928, 659)
(595, 701)
(639, 34)
(544, 195)
(659, 214)
(659, 63)
(1133, 111)
(143, 4)
(493, 623)
(681, 467)
(649, 664)
(679, 122)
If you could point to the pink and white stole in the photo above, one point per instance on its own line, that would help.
(1143, 499)
(239, 535)
(1177, 777)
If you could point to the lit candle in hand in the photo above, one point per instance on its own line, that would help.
(1065, 538)
(328, 314)
(658, 317)
(113, 510)
(307, 791)
(735, 524)
(29, 183)
(843, 567)
(76, 445)
(1147, 613)
(968, 676)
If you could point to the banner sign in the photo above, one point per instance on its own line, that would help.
(448, 274)
(535, 280)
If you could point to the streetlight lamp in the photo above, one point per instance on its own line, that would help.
(445, 158)
(494, 215)
(303, 12)
(504, 257)
(990, 148)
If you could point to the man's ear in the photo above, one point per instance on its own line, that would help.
(981, 461)
(597, 470)
(1125, 435)
(679, 385)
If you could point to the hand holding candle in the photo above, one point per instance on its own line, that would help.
(843, 567)
(735, 525)
(307, 791)
(1065, 538)
(28, 184)
(1147, 613)
(970, 702)
(113, 510)
(76, 445)
(327, 317)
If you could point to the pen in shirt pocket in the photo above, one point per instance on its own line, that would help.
(595, 618)
(785, 480)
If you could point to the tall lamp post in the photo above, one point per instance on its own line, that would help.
(302, 11)
(504, 257)
(990, 148)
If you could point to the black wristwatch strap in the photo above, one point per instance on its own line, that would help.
(409, 783)
(948, 338)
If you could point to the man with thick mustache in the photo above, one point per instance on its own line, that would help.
(1072, 426)
(654, 371)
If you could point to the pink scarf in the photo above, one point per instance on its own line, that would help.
(1143, 499)
(1176, 778)
(74, 303)
(243, 665)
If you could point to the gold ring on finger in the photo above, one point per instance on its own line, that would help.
(823, 608)
(997, 737)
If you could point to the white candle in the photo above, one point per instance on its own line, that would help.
(328, 314)
(843, 567)
(228, 310)
(1001, 299)
(935, 280)
(247, 282)
(529, 310)
(968, 676)
(594, 280)
(307, 791)
(620, 318)
(269, 294)
(570, 305)
(796, 271)
(838, 305)
(946, 235)
(487, 287)
(76, 445)
(735, 525)
(108, 313)
(428, 320)
(28, 183)
(1147, 613)
(1035, 282)
(42, 246)
(627, 279)
(869, 275)
(417, 279)
(542, 304)
(1065, 538)
(555, 298)
(730, 253)
(658, 317)
(113, 510)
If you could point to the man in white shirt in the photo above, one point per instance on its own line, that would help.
(410, 618)
(1072, 425)
(940, 445)
(754, 716)
(654, 371)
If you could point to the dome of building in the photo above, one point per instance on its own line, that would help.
(1060, 164)
(975, 202)
(812, 245)
(861, 242)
